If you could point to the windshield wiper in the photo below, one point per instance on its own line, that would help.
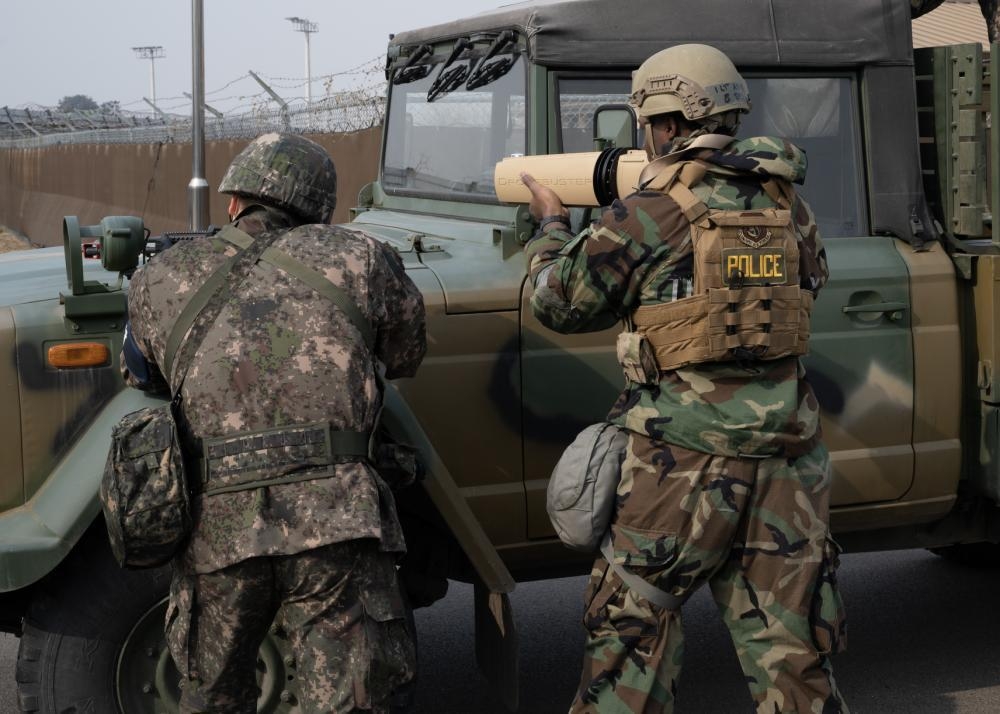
(411, 71)
(450, 78)
(487, 71)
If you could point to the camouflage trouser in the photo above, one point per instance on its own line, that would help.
(340, 606)
(757, 532)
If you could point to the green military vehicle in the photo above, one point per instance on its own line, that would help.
(905, 353)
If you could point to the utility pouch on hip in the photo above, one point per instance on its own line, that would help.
(399, 465)
(637, 359)
(144, 490)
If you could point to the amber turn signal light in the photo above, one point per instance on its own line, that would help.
(79, 354)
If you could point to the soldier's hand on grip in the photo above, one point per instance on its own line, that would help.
(544, 201)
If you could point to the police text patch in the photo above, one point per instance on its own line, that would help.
(746, 266)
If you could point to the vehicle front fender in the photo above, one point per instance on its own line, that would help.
(496, 632)
(404, 426)
(35, 537)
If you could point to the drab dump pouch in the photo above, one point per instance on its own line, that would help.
(144, 490)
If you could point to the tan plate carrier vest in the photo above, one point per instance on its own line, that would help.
(747, 302)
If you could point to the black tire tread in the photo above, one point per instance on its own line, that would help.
(27, 673)
(74, 627)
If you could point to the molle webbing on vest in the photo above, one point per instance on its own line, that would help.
(704, 329)
(747, 302)
(268, 457)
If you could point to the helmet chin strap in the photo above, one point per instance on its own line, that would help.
(648, 143)
(653, 151)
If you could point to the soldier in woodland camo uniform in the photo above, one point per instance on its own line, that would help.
(725, 480)
(320, 547)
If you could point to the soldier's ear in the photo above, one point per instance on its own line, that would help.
(234, 207)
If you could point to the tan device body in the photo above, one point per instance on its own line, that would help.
(591, 178)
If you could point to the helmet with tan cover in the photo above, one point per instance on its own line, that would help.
(288, 171)
(697, 80)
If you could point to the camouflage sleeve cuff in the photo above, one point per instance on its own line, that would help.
(545, 245)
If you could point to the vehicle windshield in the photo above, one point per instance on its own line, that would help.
(450, 145)
(817, 114)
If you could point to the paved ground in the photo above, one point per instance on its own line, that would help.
(924, 639)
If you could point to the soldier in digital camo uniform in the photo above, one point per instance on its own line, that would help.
(320, 545)
(713, 265)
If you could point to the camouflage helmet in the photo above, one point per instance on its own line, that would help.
(697, 80)
(287, 171)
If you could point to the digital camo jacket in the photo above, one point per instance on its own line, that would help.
(640, 253)
(279, 354)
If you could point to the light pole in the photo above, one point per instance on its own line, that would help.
(198, 186)
(152, 53)
(306, 28)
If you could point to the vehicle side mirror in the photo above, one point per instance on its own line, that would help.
(615, 127)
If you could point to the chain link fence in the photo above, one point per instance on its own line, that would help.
(341, 113)
(257, 112)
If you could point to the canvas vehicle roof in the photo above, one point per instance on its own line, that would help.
(751, 32)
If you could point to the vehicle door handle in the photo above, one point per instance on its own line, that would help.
(893, 309)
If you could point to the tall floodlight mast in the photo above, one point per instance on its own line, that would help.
(152, 53)
(198, 186)
(306, 28)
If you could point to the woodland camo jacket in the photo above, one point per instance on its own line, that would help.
(640, 253)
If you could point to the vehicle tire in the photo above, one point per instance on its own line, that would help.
(76, 626)
(93, 643)
(976, 555)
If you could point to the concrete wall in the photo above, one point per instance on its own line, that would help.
(40, 186)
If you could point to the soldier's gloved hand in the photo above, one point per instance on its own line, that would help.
(545, 203)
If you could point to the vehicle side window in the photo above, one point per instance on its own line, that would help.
(817, 114)
(578, 100)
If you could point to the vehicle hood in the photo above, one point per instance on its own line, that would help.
(451, 255)
(40, 274)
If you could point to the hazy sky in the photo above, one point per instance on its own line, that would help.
(54, 48)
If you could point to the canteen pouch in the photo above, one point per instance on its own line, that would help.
(582, 490)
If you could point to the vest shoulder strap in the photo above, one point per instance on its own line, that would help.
(313, 278)
(321, 284)
(780, 191)
(208, 289)
(236, 236)
(679, 178)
